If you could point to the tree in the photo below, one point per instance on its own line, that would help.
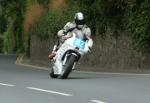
(13, 11)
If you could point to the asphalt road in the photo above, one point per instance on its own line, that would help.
(20, 84)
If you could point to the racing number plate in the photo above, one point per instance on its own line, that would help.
(79, 43)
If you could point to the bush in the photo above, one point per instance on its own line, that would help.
(13, 12)
(104, 14)
(48, 25)
(1, 45)
(8, 39)
(139, 24)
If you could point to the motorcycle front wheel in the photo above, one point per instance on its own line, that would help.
(68, 67)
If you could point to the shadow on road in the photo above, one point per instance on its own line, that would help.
(76, 78)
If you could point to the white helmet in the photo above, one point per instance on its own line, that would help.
(79, 19)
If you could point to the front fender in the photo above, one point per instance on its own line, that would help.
(73, 52)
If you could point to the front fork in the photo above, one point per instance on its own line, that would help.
(73, 68)
(65, 61)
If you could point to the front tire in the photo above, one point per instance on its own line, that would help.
(68, 67)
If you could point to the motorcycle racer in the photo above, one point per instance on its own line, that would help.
(78, 26)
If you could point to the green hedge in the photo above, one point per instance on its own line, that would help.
(118, 15)
(9, 39)
(130, 16)
(139, 25)
(13, 15)
(1, 45)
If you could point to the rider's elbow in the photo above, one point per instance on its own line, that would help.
(60, 33)
(90, 43)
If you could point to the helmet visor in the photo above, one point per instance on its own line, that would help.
(80, 22)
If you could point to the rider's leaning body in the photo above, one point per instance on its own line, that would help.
(78, 26)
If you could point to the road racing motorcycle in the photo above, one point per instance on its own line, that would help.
(68, 55)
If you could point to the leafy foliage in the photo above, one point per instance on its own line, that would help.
(3, 23)
(116, 15)
(13, 15)
(8, 39)
(49, 24)
(119, 16)
(139, 24)
(1, 45)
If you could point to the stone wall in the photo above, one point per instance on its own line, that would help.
(108, 54)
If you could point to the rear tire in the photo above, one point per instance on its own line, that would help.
(68, 67)
(52, 75)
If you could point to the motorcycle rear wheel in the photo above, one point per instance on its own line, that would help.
(52, 75)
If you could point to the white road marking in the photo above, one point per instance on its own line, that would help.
(32, 66)
(97, 101)
(48, 91)
(9, 85)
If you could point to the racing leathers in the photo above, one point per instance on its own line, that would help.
(82, 31)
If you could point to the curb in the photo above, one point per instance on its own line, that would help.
(20, 59)
(19, 62)
(98, 73)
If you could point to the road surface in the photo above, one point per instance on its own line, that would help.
(20, 84)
